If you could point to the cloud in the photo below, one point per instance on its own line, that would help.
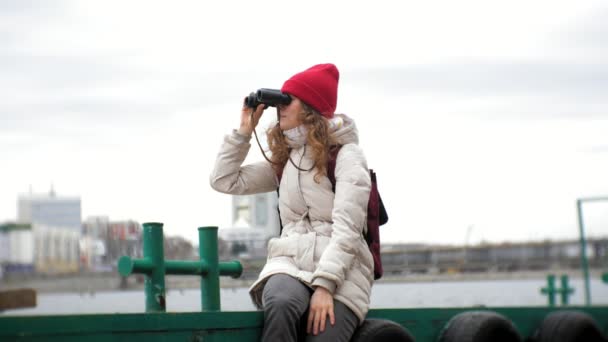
(486, 78)
(62, 71)
(590, 33)
(597, 149)
(509, 90)
(28, 6)
(19, 20)
(93, 91)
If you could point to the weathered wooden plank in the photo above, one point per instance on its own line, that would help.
(19, 298)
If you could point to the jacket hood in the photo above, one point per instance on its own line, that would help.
(347, 133)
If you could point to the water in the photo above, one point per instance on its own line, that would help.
(384, 295)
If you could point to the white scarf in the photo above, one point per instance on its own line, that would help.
(297, 136)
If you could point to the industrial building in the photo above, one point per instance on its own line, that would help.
(36, 248)
(50, 210)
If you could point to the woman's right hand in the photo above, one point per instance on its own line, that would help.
(247, 125)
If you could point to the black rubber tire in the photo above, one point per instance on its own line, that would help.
(568, 326)
(381, 330)
(479, 326)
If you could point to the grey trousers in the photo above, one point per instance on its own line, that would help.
(286, 301)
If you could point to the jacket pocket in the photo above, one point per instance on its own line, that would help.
(286, 246)
(301, 247)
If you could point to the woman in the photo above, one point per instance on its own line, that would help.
(319, 272)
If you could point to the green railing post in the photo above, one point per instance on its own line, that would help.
(565, 291)
(550, 290)
(154, 266)
(210, 285)
(583, 242)
(155, 282)
(605, 277)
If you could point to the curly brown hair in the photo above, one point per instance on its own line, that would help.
(319, 139)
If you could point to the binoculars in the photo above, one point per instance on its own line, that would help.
(268, 97)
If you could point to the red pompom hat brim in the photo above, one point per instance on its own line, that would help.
(317, 86)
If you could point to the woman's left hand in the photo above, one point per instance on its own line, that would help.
(321, 306)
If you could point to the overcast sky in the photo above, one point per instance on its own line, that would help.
(473, 113)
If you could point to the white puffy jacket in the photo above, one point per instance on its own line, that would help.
(322, 241)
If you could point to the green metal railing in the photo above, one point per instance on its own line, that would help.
(583, 243)
(425, 324)
(552, 291)
(155, 267)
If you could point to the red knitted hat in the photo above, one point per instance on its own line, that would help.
(317, 86)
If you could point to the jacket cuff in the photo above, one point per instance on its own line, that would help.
(238, 138)
(325, 283)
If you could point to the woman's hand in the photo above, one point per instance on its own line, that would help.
(321, 306)
(247, 126)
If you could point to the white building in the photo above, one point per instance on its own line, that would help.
(56, 249)
(50, 210)
(29, 248)
(259, 211)
(4, 245)
(93, 243)
(16, 253)
(243, 241)
(255, 220)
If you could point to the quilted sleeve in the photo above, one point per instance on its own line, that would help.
(228, 176)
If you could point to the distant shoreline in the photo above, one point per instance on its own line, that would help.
(102, 282)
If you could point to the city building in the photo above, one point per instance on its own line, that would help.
(242, 242)
(259, 211)
(103, 242)
(49, 210)
(500, 257)
(36, 248)
(55, 249)
(255, 220)
(93, 242)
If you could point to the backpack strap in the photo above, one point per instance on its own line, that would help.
(331, 165)
(279, 174)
